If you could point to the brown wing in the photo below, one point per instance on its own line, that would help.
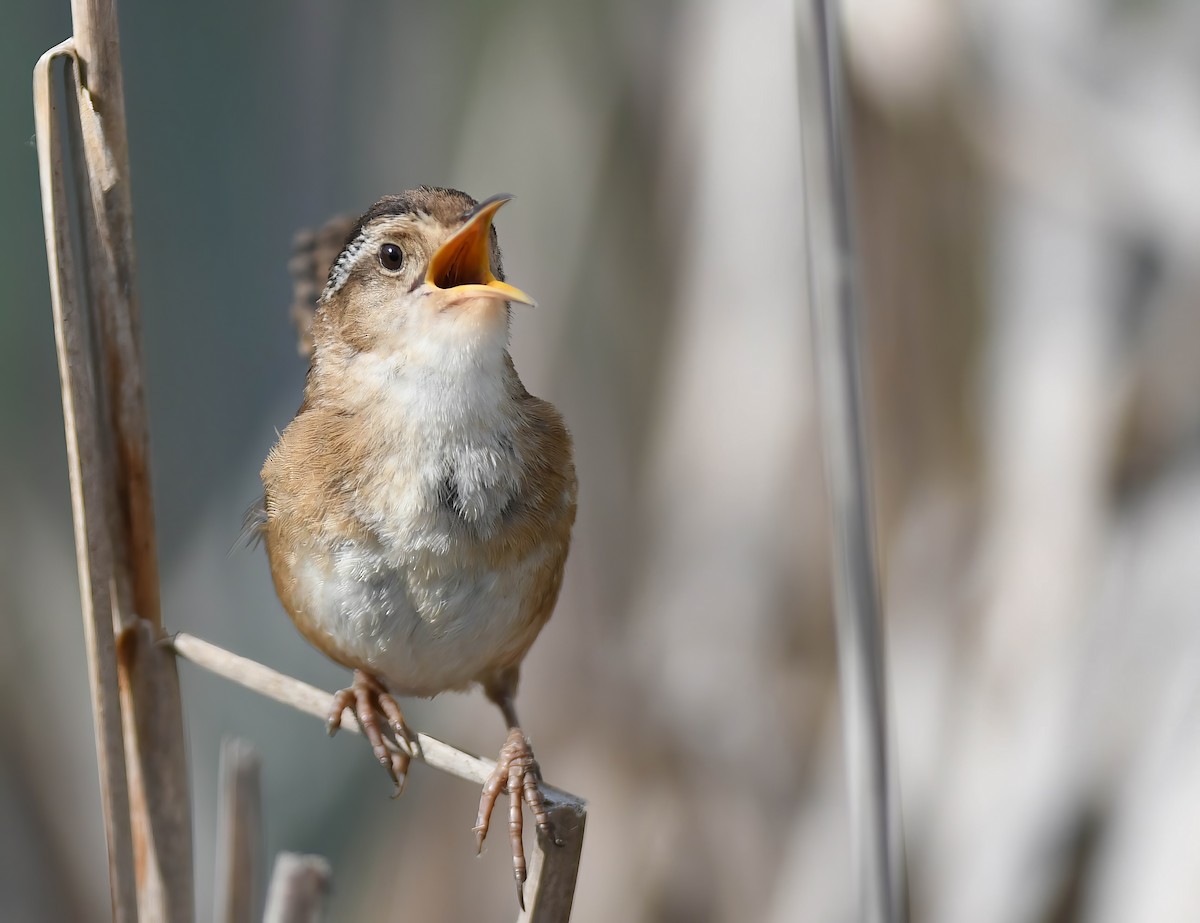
(313, 253)
(545, 509)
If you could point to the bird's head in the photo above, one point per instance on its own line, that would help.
(419, 274)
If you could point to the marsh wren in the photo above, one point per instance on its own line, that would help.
(418, 509)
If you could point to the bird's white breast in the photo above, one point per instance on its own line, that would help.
(419, 603)
(419, 622)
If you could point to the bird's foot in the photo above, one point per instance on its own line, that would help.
(374, 705)
(516, 773)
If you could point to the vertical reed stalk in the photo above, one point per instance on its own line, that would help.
(298, 888)
(147, 807)
(834, 291)
(239, 834)
(85, 466)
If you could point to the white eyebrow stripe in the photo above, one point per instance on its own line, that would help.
(345, 262)
(342, 267)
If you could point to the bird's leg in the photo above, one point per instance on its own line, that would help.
(371, 702)
(516, 773)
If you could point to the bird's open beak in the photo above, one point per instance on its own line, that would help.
(463, 265)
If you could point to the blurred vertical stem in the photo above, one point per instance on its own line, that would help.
(239, 834)
(835, 304)
(146, 799)
(299, 885)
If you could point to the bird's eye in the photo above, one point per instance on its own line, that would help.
(391, 257)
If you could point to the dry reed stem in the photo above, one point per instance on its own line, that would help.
(553, 869)
(835, 306)
(146, 791)
(156, 758)
(298, 888)
(85, 467)
(239, 834)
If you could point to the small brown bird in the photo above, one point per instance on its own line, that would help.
(418, 509)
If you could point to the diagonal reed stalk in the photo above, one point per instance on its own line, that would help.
(553, 870)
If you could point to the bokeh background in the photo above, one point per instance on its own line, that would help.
(1029, 208)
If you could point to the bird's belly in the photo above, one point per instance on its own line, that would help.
(424, 623)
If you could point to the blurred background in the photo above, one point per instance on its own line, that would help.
(1029, 208)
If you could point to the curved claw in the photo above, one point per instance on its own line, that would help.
(342, 699)
(371, 701)
(516, 829)
(517, 774)
(487, 802)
